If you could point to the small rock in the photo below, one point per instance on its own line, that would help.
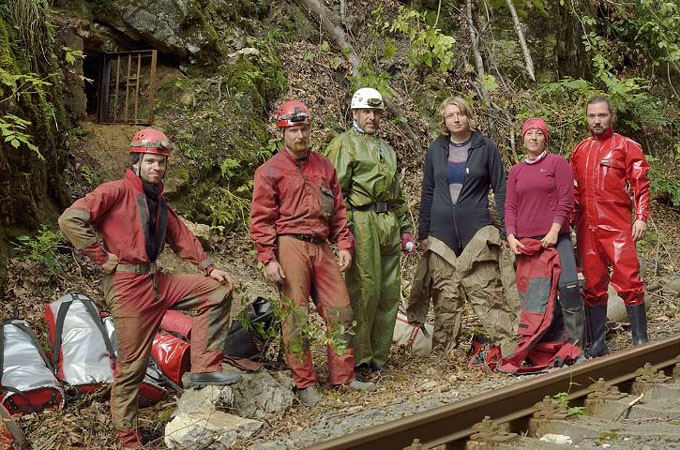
(429, 385)
(556, 439)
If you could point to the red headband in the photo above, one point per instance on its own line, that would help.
(534, 123)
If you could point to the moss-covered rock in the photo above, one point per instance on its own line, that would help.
(31, 90)
(220, 130)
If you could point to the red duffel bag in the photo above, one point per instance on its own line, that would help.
(171, 355)
(177, 323)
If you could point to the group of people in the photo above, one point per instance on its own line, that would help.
(604, 182)
(304, 201)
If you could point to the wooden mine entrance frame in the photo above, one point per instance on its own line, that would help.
(127, 87)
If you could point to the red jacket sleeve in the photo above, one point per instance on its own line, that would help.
(76, 221)
(263, 215)
(637, 173)
(184, 243)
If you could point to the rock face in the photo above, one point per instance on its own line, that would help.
(164, 24)
(183, 30)
(262, 395)
(201, 231)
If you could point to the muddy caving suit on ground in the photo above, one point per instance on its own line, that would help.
(297, 207)
(377, 216)
(542, 342)
(466, 266)
(137, 294)
(607, 169)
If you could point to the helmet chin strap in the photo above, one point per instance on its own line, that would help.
(138, 169)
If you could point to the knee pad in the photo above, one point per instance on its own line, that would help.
(570, 296)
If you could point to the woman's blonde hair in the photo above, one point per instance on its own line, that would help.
(464, 108)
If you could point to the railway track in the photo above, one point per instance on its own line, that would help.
(503, 416)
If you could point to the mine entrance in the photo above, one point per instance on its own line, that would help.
(127, 87)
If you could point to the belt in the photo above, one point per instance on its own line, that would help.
(378, 207)
(306, 238)
(138, 268)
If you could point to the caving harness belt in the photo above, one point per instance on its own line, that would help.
(140, 269)
(378, 207)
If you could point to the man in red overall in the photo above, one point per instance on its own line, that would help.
(609, 169)
(135, 222)
(297, 208)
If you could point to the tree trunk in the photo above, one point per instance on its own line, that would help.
(522, 43)
(330, 21)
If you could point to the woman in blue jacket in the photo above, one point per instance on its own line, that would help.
(463, 247)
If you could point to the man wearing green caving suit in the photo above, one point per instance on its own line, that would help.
(377, 215)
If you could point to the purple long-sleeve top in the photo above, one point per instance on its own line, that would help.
(539, 195)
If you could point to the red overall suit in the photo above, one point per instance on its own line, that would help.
(138, 295)
(297, 206)
(607, 169)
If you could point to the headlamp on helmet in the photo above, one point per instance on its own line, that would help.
(150, 140)
(292, 114)
(367, 98)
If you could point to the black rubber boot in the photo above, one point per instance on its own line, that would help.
(596, 324)
(572, 313)
(638, 323)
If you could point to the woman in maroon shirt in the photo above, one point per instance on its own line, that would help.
(538, 204)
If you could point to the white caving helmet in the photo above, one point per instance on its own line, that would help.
(367, 98)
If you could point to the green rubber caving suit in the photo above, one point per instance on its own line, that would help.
(377, 215)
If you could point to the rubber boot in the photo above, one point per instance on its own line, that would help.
(596, 322)
(638, 323)
(572, 313)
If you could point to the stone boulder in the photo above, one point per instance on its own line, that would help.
(200, 420)
(214, 430)
(262, 394)
(184, 30)
(201, 231)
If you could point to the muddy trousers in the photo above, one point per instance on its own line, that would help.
(137, 308)
(311, 270)
(374, 284)
(482, 287)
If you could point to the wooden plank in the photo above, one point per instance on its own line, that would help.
(152, 84)
(127, 87)
(137, 82)
(115, 98)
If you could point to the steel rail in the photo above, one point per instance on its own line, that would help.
(450, 423)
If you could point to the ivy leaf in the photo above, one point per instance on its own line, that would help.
(489, 82)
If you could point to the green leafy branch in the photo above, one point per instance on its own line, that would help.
(71, 55)
(429, 46)
(23, 84)
(12, 128)
(42, 248)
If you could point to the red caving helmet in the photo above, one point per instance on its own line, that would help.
(150, 140)
(292, 114)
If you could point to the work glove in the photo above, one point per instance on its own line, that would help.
(408, 245)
